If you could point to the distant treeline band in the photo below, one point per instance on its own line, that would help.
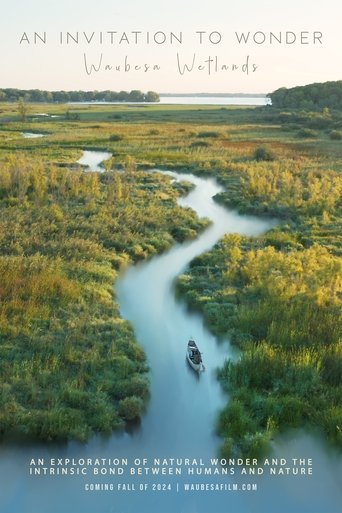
(36, 95)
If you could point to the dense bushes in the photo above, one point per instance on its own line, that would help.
(306, 133)
(200, 144)
(279, 299)
(209, 133)
(262, 153)
(335, 135)
(69, 365)
(283, 309)
(115, 137)
(309, 97)
(130, 408)
(283, 188)
(37, 95)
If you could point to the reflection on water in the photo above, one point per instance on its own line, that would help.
(214, 100)
(181, 415)
(192, 100)
(32, 135)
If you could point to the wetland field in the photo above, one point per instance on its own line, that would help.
(71, 365)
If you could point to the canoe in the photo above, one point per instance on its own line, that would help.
(194, 356)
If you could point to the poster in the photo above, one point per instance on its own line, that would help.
(195, 53)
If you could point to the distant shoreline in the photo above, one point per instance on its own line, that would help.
(215, 95)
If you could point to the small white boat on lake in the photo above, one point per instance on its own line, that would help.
(194, 357)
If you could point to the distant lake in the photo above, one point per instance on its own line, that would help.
(192, 100)
(214, 100)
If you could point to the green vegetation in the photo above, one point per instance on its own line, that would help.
(70, 365)
(278, 297)
(262, 153)
(37, 95)
(22, 109)
(307, 133)
(309, 97)
(283, 310)
(335, 135)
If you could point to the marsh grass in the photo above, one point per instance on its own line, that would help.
(71, 366)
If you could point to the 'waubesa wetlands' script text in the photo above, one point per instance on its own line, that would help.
(210, 65)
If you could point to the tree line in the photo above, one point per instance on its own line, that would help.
(40, 96)
(313, 96)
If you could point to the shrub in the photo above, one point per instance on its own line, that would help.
(292, 410)
(255, 445)
(234, 420)
(262, 153)
(335, 135)
(115, 137)
(130, 408)
(208, 134)
(72, 116)
(227, 449)
(306, 133)
(200, 144)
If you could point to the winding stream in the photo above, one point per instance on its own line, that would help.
(180, 418)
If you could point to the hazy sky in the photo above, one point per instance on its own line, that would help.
(270, 65)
